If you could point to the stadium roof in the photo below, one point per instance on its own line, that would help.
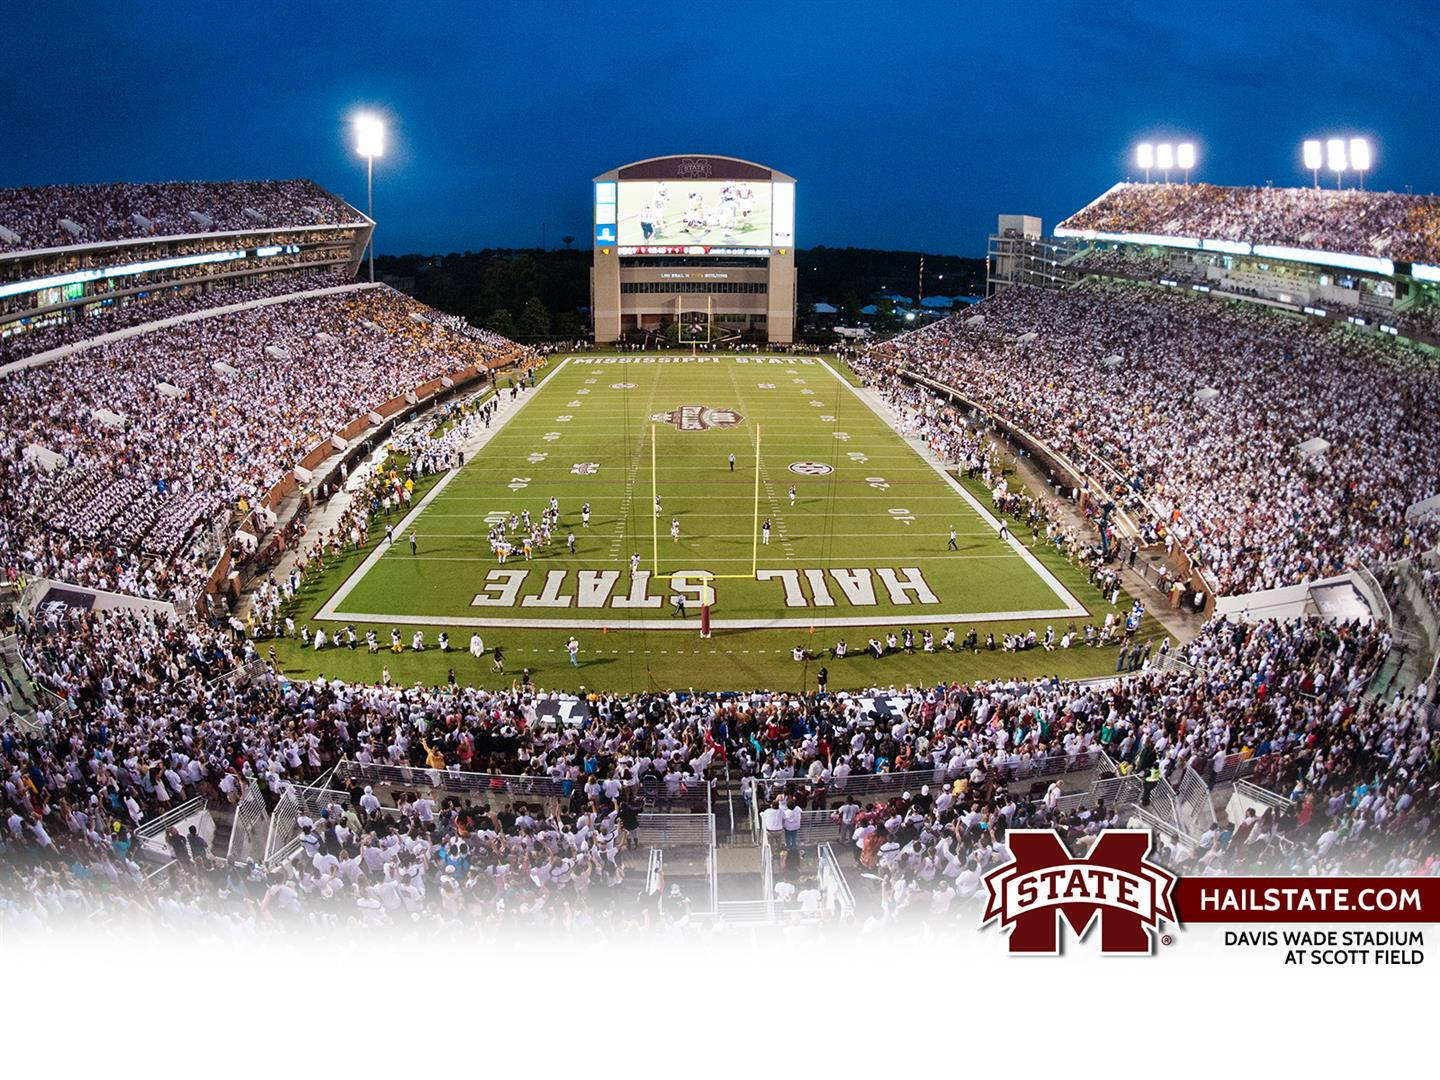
(694, 167)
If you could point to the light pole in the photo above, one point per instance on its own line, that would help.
(1165, 156)
(1185, 159)
(1335, 158)
(1165, 159)
(1314, 158)
(370, 144)
(1360, 158)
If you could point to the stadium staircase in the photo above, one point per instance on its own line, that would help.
(22, 704)
(1416, 634)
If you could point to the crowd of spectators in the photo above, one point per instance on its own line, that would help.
(157, 712)
(1108, 372)
(33, 215)
(162, 304)
(194, 442)
(1137, 265)
(1385, 224)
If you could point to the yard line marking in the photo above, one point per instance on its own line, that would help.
(502, 419)
(1073, 607)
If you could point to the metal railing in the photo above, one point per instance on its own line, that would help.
(249, 828)
(839, 898)
(767, 877)
(283, 840)
(889, 785)
(151, 833)
(452, 781)
(1194, 808)
(676, 830)
(1245, 791)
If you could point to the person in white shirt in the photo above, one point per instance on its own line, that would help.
(791, 818)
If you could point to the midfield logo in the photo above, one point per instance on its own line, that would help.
(698, 418)
(1115, 883)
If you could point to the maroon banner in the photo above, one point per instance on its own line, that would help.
(1307, 900)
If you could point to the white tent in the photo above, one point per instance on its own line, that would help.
(1311, 447)
(224, 368)
(47, 459)
(108, 418)
(1114, 360)
(1026, 338)
(1423, 507)
(1206, 393)
(277, 352)
(975, 320)
(169, 390)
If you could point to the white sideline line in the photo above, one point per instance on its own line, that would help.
(502, 418)
(708, 536)
(820, 622)
(1072, 605)
(580, 561)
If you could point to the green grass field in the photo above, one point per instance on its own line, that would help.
(863, 549)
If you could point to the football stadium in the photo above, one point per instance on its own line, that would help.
(324, 607)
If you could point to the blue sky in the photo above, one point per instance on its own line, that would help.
(906, 125)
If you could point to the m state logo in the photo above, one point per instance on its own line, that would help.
(810, 468)
(698, 418)
(692, 168)
(1115, 882)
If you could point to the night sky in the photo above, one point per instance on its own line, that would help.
(907, 125)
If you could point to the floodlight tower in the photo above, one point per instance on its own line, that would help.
(1145, 158)
(1314, 155)
(370, 144)
(1165, 159)
(1185, 159)
(1360, 158)
(1335, 159)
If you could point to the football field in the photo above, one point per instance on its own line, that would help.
(863, 542)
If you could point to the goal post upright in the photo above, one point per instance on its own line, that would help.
(755, 531)
(654, 513)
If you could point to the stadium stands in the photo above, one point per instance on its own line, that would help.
(455, 805)
(76, 261)
(1370, 223)
(64, 215)
(297, 372)
(1222, 476)
(1353, 776)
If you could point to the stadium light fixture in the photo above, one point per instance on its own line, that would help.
(1360, 158)
(1165, 158)
(1335, 157)
(1145, 158)
(1185, 158)
(369, 136)
(370, 144)
(1314, 155)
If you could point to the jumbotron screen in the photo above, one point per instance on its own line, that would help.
(664, 217)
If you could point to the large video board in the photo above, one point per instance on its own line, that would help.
(720, 217)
